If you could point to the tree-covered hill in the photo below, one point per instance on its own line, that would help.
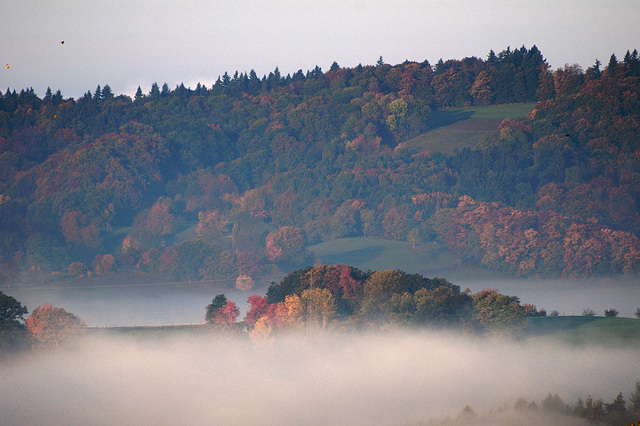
(235, 180)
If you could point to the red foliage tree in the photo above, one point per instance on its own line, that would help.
(227, 315)
(77, 231)
(258, 308)
(104, 264)
(285, 245)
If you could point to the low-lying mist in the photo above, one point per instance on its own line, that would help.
(305, 378)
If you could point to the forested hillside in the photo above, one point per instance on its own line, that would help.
(235, 180)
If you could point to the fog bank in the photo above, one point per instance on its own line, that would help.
(567, 296)
(370, 378)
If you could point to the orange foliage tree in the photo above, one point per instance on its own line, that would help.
(50, 326)
(286, 245)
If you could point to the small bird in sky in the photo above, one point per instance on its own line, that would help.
(7, 66)
(62, 42)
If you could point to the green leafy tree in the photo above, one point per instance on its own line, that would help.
(498, 313)
(443, 305)
(11, 312)
(11, 321)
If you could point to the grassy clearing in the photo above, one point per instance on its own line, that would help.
(445, 117)
(581, 330)
(501, 111)
(378, 253)
(458, 128)
(446, 140)
(113, 240)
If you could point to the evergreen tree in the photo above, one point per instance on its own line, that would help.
(155, 91)
(106, 92)
(57, 98)
(613, 64)
(97, 95)
(47, 95)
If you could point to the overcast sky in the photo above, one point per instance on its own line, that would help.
(126, 43)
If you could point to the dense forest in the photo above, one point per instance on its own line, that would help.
(234, 181)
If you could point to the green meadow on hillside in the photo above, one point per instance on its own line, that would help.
(578, 330)
(458, 128)
(429, 259)
(379, 254)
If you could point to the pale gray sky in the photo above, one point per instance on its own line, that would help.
(126, 43)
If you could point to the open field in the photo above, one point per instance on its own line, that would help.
(458, 128)
(572, 330)
(578, 330)
(379, 253)
(428, 259)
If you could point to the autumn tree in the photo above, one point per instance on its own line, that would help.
(104, 264)
(261, 331)
(318, 306)
(78, 231)
(50, 326)
(244, 282)
(258, 307)
(286, 245)
(211, 225)
(221, 312)
(481, 89)
(155, 224)
(77, 269)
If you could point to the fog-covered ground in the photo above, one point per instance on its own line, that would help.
(310, 378)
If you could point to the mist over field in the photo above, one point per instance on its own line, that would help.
(307, 378)
(567, 296)
(106, 304)
(123, 304)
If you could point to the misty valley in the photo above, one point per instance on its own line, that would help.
(118, 303)
(409, 244)
(380, 347)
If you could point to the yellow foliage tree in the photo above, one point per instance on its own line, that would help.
(318, 306)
